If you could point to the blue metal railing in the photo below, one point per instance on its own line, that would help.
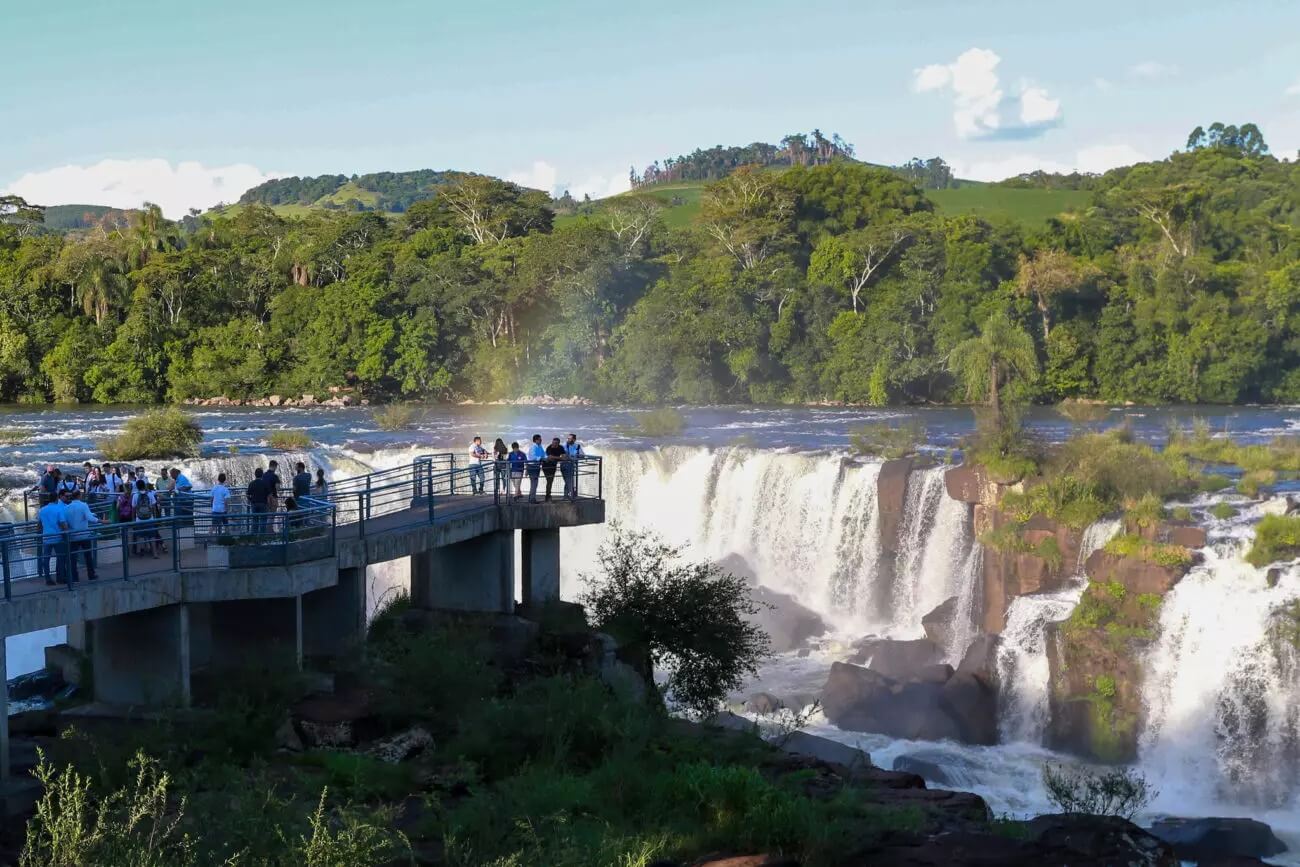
(429, 488)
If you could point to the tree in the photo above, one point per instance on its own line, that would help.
(23, 217)
(1002, 354)
(749, 214)
(853, 259)
(490, 210)
(1048, 275)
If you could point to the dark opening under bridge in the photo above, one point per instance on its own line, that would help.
(240, 584)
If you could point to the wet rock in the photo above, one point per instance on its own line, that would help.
(850, 692)
(788, 623)
(941, 806)
(860, 699)
(967, 484)
(938, 623)
(981, 660)
(1137, 576)
(973, 707)
(286, 737)
(895, 658)
(891, 500)
(400, 747)
(939, 673)
(1273, 575)
(1201, 839)
(763, 702)
(1187, 535)
(824, 749)
(931, 771)
(732, 722)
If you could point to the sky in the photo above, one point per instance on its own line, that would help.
(189, 104)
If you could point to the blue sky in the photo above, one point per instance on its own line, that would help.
(189, 103)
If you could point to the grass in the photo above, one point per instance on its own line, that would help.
(1223, 511)
(395, 416)
(156, 433)
(13, 436)
(289, 440)
(1277, 537)
(886, 440)
(1027, 206)
(1135, 547)
(656, 423)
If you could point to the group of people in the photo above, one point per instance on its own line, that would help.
(513, 463)
(263, 494)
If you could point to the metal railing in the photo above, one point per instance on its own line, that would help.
(187, 534)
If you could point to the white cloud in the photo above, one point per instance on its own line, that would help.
(545, 176)
(1153, 69)
(540, 176)
(981, 110)
(1294, 89)
(129, 183)
(1095, 159)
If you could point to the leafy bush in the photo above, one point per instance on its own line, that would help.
(1277, 537)
(1181, 513)
(691, 618)
(1049, 550)
(1223, 511)
(1129, 545)
(1253, 481)
(1003, 446)
(136, 825)
(656, 423)
(13, 436)
(1082, 411)
(1146, 511)
(156, 433)
(428, 674)
(1064, 498)
(395, 416)
(1121, 792)
(289, 440)
(343, 838)
(889, 441)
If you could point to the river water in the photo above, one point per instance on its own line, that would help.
(775, 488)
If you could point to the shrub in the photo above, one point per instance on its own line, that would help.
(1003, 446)
(345, 838)
(887, 440)
(289, 440)
(656, 423)
(135, 825)
(395, 416)
(1212, 482)
(1082, 411)
(691, 618)
(1253, 481)
(1129, 545)
(1146, 511)
(1277, 537)
(1049, 550)
(1064, 498)
(1223, 511)
(1121, 792)
(156, 433)
(1181, 513)
(13, 436)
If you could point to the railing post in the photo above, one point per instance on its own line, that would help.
(600, 478)
(284, 539)
(367, 495)
(126, 550)
(361, 514)
(428, 489)
(176, 545)
(66, 547)
(4, 554)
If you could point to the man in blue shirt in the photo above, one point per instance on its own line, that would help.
(54, 524)
(181, 491)
(536, 454)
(78, 517)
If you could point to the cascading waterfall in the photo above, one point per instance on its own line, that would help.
(1022, 651)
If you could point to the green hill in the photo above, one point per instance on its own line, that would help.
(67, 218)
(379, 191)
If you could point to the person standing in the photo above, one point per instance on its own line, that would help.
(554, 457)
(259, 495)
(68, 484)
(49, 485)
(182, 491)
(536, 455)
(321, 487)
(220, 504)
(166, 488)
(500, 456)
(516, 460)
(301, 481)
(53, 519)
(573, 453)
(81, 539)
(145, 506)
(477, 455)
(272, 479)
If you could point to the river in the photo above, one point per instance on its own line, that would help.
(772, 488)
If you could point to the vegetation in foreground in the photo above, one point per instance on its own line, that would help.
(289, 440)
(156, 433)
(1121, 792)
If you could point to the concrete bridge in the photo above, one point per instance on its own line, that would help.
(246, 584)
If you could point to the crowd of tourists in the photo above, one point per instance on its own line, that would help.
(511, 465)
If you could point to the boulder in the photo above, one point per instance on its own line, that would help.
(891, 500)
(973, 707)
(1271, 577)
(938, 623)
(799, 743)
(788, 624)
(897, 658)
(400, 747)
(932, 772)
(939, 673)
(862, 699)
(981, 660)
(763, 703)
(1187, 535)
(1138, 576)
(967, 484)
(850, 692)
(732, 722)
(1089, 840)
(1202, 839)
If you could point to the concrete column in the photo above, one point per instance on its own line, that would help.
(540, 551)
(249, 631)
(475, 575)
(334, 618)
(143, 658)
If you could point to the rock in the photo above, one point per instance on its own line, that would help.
(275, 400)
(896, 658)
(949, 809)
(331, 720)
(1137, 576)
(1199, 839)
(932, 772)
(308, 400)
(981, 660)
(788, 624)
(973, 707)
(938, 623)
(42, 682)
(967, 484)
(624, 681)
(286, 737)
(891, 500)
(1187, 535)
(862, 699)
(939, 673)
(1271, 577)
(799, 743)
(1280, 505)
(732, 722)
(763, 702)
(850, 692)
(1099, 840)
(400, 747)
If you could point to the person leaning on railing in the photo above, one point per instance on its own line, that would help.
(573, 453)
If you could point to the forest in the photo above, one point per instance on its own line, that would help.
(833, 281)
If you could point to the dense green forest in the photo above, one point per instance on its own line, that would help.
(377, 191)
(1177, 280)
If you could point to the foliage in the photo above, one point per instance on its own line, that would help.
(888, 440)
(1121, 792)
(1277, 537)
(1145, 511)
(1254, 481)
(12, 436)
(1001, 356)
(1133, 546)
(156, 433)
(424, 673)
(137, 825)
(717, 162)
(395, 416)
(1184, 513)
(289, 440)
(1003, 446)
(691, 618)
(1223, 511)
(1082, 411)
(345, 839)
(657, 423)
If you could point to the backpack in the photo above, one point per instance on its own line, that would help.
(143, 508)
(125, 511)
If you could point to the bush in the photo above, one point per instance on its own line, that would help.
(1254, 481)
(656, 423)
(1146, 511)
(395, 416)
(1135, 547)
(1223, 511)
(343, 838)
(1121, 792)
(289, 440)
(887, 440)
(1181, 513)
(13, 436)
(154, 434)
(691, 618)
(1277, 537)
(1003, 446)
(1082, 411)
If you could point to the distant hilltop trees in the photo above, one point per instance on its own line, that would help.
(796, 149)
(393, 192)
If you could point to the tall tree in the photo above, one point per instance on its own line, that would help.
(1049, 275)
(1002, 354)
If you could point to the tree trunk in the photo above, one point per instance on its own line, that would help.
(993, 388)
(1047, 317)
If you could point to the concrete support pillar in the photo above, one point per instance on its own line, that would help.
(4, 712)
(540, 552)
(247, 632)
(475, 575)
(334, 618)
(143, 658)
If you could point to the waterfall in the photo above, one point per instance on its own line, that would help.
(1222, 686)
(1022, 650)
